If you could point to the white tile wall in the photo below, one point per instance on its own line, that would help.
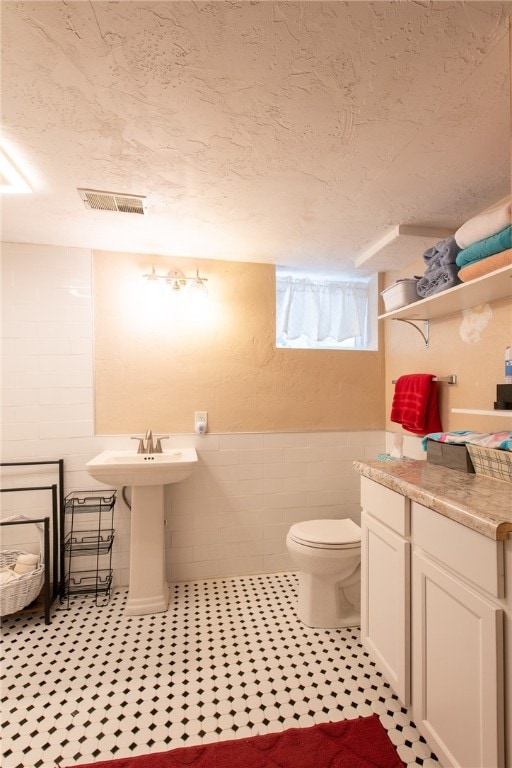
(231, 516)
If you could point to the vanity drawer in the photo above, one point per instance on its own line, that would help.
(469, 554)
(388, 506)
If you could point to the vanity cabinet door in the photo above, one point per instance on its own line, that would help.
(457, 674)
(385, 602)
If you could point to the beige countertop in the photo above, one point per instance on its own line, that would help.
(478, 502)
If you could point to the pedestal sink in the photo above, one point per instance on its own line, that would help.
(147, 473)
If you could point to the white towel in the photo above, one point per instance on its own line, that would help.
(484, 225)
(25, 563)
(27, 559)
(21, 569)
(7, 575)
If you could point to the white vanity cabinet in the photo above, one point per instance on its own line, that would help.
(385, 582)
(436, 616)
(457, 641)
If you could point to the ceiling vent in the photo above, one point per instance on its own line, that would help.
(95, 200)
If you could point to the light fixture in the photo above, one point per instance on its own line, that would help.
(177, 280)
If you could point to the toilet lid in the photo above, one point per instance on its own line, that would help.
(328, 533)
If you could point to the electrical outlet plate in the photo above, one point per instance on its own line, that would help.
(201, 417)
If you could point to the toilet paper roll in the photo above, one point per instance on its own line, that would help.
(27, 559)
(21, 569)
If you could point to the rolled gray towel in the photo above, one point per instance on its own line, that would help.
(438, 279)
(443, 252)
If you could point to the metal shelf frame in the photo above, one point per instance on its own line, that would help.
(55, 528)
(92, 536)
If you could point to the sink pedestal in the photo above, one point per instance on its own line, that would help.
(147, 474)
(148, 591)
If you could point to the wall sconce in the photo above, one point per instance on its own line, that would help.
(177, 280)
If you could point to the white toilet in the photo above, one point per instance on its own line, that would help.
(328, 556)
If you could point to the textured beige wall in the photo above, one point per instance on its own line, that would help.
(470, 344)
(156, 362)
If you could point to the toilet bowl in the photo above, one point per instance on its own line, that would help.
(327, 554)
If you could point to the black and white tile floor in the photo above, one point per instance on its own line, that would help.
(228, 659)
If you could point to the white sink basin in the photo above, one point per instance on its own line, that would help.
(130, 468)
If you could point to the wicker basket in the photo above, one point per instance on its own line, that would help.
(491, 462)
(16, 594)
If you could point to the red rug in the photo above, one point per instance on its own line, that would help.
(360, 743)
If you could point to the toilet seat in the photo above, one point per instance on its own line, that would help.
(327, 534)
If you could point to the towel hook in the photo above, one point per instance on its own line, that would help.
(425, 335)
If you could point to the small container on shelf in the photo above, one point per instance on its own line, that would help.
(508, 365)
(400, 294)
(503, 400)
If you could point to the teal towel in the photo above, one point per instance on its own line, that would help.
(497, 243)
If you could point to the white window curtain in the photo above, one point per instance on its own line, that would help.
(322, 309)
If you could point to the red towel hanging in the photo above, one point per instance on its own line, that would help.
(415, 405)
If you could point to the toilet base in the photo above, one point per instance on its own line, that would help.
(325, 602)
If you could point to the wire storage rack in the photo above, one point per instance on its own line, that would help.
(88, 542)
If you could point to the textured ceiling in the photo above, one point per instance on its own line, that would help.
(290, 132)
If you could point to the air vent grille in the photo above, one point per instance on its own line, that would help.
(96, 200)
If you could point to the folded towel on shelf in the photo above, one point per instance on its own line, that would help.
(439, 279)
(485, 266)
(443, 252)
(497, 243)
(415, 404)
(502, 440)
(484, 225)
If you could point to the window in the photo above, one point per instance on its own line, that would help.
(318, 311)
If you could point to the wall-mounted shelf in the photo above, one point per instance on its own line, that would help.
(491, 287)
(476, 412)
(394, 249)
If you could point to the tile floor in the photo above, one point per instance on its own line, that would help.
(228, 659)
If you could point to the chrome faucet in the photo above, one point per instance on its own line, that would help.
(158, 447)
(140, 447)
(150, 447)
(149, 442)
